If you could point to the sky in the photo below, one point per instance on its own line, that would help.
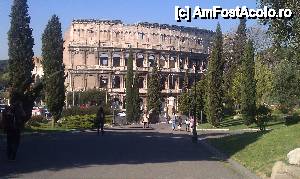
(128, 11)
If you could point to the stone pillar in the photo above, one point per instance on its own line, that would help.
(121, 81)
(110, 60)
(109, 85)
(122, 58)
(146, 61)
(134, 60)
(168, 60)
(84, 82)
(168, 82)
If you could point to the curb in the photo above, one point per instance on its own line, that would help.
(240, 168)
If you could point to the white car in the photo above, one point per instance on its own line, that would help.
(121, 114)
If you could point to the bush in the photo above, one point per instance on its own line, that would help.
(36, 121)
(263, 115)
(75, 110)
(78, 122)
(291, 120)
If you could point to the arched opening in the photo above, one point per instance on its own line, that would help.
(103, 82)
(172, 62)
(151, 60)
(141, 82)
(140, 60)
(116, 82)
(103, 59)
(163, 80)
(162, 61)
(116, 60)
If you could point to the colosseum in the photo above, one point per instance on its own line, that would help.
(96, 53)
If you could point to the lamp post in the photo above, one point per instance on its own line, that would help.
(195, 136)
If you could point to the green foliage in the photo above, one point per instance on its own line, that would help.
(184, 103)
(154, 93)
(284, 31)
(214, 103)
(91, 97)
(35, 121)
(232, 67)
(248, 88)
(136, 99)
(52, 52)
(185, 81)
(129, 89)
(20, 44)
(83, 111)
(263, 115)
(78, 122)
(264, 81)
(286, 85)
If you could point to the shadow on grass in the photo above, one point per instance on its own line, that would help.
(229, 123)
(235, 143)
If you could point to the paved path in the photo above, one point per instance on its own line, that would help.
(121, 153)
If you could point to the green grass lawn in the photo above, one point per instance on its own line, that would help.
(259, 151)
(235, 124)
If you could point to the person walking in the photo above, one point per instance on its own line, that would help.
(191, 124)
(174, 122)
(100, 120)
(13, 123)
(187, 124)
(145, 120)
(179, 122)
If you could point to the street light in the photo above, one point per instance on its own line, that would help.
(195, 136)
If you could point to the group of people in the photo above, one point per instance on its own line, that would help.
(177, 121)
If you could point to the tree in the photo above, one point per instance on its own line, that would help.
(214, 103)
(154, 94)
(129, 89)
(264, 81)
(286, 85)
(185, 81)
(248, 86)
(52, 52)
(234, 57)
(136, 99)
(20, 44)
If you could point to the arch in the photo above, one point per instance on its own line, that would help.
(172, 62)
(151, 60)
(116, 82)
(103, 59)
(116, 60)
(140, 60)
(162, 61)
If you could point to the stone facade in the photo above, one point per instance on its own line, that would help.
(96, 54)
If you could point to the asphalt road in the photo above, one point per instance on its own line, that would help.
(121, 153)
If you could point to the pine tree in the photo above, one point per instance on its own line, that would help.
(248, 88)
(52, 52)
(136, 99)
(129, 89)
(20, 44)
(154, 94)
(214, 103)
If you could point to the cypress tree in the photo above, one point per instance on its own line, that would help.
(214, 103)
(185, 81)
(248, 104)
(20, 44)
(129, 89)
(233, 63)
(136, 99)
(52, 52)
(154, 94)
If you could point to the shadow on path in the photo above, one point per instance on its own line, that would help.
(69, 150)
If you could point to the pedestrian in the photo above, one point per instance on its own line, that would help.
(145, 120)
(179, 122)
(13, 123)
(100, 120)
(187, 124)
(174, 122)
(191, 123)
